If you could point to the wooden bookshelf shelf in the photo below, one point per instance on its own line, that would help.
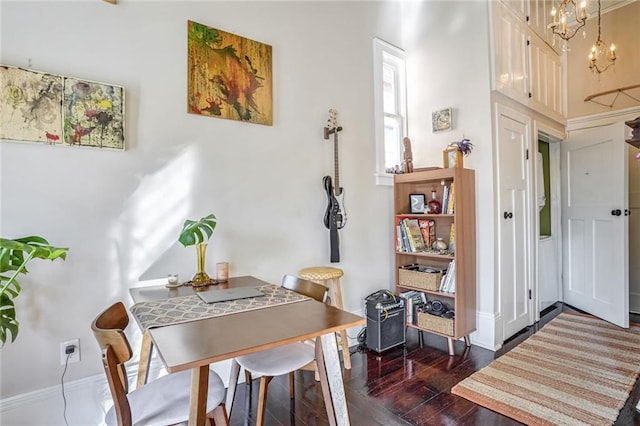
(463, 300)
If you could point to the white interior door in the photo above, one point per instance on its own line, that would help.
(514, 242)
(595, 223)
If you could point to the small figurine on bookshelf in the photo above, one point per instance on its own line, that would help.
(407, 164)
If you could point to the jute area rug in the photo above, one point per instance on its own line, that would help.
(577, 370)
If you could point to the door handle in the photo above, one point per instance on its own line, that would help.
(616, 212)
(507, 215)
(627, 212)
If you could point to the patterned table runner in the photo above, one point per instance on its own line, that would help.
(191, 308)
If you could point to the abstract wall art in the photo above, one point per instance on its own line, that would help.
(228, 76)
(93, 114)
(30, 106)
(41, 107)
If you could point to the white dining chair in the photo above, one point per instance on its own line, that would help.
(280, 360)
(163, 401)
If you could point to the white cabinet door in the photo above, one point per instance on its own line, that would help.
(511, 62)
(519, 7)
(514, 229)
(539, 19)
(595, 264)
(547, 95)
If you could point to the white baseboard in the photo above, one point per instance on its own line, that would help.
(485, 336)
(634, 302)
(88, 400)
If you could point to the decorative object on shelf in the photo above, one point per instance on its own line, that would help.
(441, 120)
(60, 110)
(416, 203)
(407, 163)
(14, 256)
(335, 216)
(434, 206)
(601, 57)
(635, 134)
(568, 18)
(229, 76)
(452, 155)
(440, 244)
(196, 233)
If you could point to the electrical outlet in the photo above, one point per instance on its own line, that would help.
(74, 356)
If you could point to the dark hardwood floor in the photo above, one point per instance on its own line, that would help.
(408, 385)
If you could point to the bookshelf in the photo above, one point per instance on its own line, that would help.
(463, 300)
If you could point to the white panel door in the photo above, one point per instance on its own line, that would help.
(514, 243)
(595, 223)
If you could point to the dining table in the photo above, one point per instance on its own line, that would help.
(199, 339)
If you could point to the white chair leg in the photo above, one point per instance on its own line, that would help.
(233, 382)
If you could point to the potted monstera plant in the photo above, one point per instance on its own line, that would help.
(14, 257)
(197, 233)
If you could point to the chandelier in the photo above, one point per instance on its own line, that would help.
(601, 58)
(568, 18)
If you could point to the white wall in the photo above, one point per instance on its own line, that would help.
(120, 212)
(447, 47)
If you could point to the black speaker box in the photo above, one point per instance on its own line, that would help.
(385, 324)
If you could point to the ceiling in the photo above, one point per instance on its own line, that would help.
(606, 5)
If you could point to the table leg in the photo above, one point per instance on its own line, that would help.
(145, 360)
(233, 383)
(199, 389)
(331, 380)
(337, 292)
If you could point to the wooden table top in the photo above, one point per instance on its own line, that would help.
(197, 343)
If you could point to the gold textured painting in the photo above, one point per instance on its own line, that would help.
(228, 76)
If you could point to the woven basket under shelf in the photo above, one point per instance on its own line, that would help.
(434, 323)
(424, 280)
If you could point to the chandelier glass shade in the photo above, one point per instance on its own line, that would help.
(601, 57)
(568, 18)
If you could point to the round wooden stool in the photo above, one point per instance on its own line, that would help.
(330, 278)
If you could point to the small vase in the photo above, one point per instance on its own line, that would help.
(440, 244)
(201, 277)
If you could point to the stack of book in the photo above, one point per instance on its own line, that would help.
(413, 300)
(448, 199)
(418, 235)
(448, 283)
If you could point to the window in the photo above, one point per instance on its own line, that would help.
(390, 102)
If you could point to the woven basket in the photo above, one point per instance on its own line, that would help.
(434, 323)
(422, 280)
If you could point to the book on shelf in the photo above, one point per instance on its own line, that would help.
(451, 201)
(452, 238)
(445, 199)
(448, 282)
(415, 236)
(412, 299)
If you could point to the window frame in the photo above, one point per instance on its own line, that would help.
(386, 53)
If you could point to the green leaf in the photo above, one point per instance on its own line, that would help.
(8, 323)
(14, 256)
(194, 232)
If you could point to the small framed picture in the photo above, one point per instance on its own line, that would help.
(441, 120)
(416, 203)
